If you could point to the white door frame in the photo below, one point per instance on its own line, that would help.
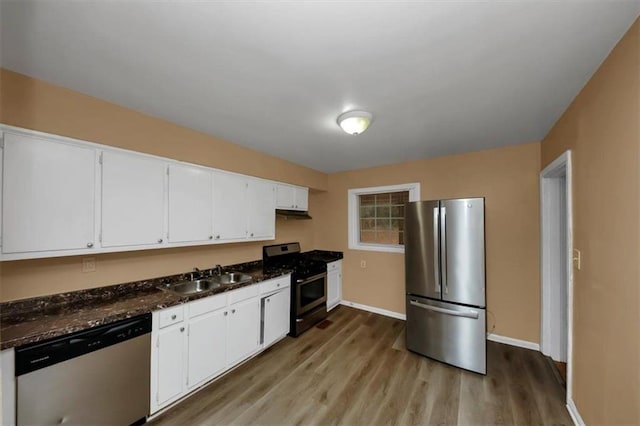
(561, 166)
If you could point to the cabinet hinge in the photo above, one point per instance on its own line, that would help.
(1, 140)
(167, 170)
(158, 342)
(100, 158)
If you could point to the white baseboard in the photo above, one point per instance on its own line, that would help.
(375, 310)
(513, 342)
(573, 412)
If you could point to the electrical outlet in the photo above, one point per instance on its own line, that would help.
(363, 263)
(577, 259)
(89, 264)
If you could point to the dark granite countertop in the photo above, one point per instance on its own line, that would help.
(324, 255)
(41, 318)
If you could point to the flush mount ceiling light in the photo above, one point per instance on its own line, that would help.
(354, 122)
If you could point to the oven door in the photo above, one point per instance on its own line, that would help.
(310, 293)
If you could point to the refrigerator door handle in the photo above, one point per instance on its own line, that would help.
(443, 247)
(436, 260)
(466, 314)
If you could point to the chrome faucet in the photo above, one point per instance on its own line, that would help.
(196, 270)
(218, 270)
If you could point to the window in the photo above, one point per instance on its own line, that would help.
(376, 217)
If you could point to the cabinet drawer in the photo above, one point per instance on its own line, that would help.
(207, 304)
(171, 316)
(333, 266)
(243, 293)
(275, 284)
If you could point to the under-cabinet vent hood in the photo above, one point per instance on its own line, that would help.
(292, 214)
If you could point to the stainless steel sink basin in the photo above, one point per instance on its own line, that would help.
(194, 287)
(232, 278)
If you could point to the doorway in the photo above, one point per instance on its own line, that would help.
(557, 264)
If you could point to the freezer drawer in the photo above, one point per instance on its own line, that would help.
(446, 332)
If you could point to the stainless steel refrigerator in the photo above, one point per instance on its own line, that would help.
(445, 281)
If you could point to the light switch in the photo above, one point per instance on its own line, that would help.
(577, 259)
(89, 264)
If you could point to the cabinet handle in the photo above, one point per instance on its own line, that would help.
(278, 285)
(211, 237)
(173, 317)
(252, 234)
(268, 300)
(225, 313)
(233, 311)
(292, 206)
(160, 240)
(181, 329)
(89, 245)
(217, 237)
(296, 206)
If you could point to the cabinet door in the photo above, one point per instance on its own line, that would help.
(262, 209)
(276, 316)
(244, 329)
(206, 348)
(49, 195)
(302, 198)
(285, 196)
(170, 347)
(190, 204)
(229, 207)
(132, 200)
(333, 289)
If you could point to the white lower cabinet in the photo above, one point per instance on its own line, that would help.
(170, 349)
(198, 341)
(334, 284)
(243, 330)
(206, 347)
(275, 316)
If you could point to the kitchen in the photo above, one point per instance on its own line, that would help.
(507, 177)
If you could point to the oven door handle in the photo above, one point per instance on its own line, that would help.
(315, 277)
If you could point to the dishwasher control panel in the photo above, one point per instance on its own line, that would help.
(38, 355)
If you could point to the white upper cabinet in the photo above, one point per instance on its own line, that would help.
(61, 196)
(132, 199)
(48, 195)
(229, 206)
(190, 204)
(291, 197)
(302, 198)
(262, 209)
(285, 196)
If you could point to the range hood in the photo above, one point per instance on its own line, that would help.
(292, 214)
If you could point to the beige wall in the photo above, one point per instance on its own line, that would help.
(37, 105)
(602, 129)
(507, 177)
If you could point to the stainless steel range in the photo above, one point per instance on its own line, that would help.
(308, 284)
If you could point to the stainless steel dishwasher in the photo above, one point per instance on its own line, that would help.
(95, 376)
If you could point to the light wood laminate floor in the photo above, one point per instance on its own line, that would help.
(357, 371)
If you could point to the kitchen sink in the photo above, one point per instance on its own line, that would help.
(194, 287)
(232, 278)
(203, 285)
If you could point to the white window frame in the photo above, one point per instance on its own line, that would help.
(354, 215)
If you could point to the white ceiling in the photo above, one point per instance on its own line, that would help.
(439, 77)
